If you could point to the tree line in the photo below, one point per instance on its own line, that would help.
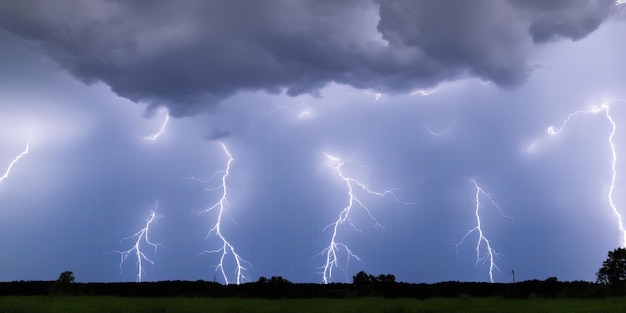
(610, 281)
(278, 287)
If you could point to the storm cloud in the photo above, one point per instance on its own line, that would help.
(190, 55)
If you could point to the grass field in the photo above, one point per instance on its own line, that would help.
(86, 304)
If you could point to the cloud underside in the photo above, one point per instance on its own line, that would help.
(189, 55)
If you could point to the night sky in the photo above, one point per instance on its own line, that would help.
(402, 105)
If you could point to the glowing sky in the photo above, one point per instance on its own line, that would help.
(424, 98)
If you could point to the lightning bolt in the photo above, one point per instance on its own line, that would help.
(423, 92)
(333, 250)
(604, 107)
(594, 109)
(17, 158)
(227, 250)
(158, 134)
(141, 235)
(377, 97)
(490, 254)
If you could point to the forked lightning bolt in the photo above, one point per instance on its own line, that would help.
(334, 249)
(17, 158)
(142, 236)
(490, 254)
(158, 134)
(605, 108)
(227, 250)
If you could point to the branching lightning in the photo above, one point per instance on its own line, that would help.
(158, 134)
(490, 254)
(604, 107)
(227, 250)
(141, 236)
(332, 252)
(17, 158)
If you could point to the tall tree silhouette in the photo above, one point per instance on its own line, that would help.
(613, 270)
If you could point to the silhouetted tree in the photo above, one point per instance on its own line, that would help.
(66, 278)
(613, 270)
(362, 278)
(386, 285)
(363, 283)
(370, 285)
(389, 278)
(278, 280)
(277, 287)
(63, 285)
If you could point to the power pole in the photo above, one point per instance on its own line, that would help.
(513, 273)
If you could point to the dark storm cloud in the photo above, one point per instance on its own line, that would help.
(189, 55)
(455, 38)
(564, 18)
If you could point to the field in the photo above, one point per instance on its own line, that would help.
(106, 304)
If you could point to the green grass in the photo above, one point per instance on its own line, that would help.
(87, 304)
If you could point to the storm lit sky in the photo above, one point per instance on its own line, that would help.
(417, 97)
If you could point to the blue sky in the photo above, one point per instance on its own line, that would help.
(85, 83)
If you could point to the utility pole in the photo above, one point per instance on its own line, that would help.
(513, 273)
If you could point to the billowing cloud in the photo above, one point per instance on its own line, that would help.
(189, 55)
(557, 19)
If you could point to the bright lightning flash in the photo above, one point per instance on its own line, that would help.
(423, 92)
(604, 107)
(158, 134)
(227, 250)
(490, 254)
(141, 235)
(17, 158)
(333, 251)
